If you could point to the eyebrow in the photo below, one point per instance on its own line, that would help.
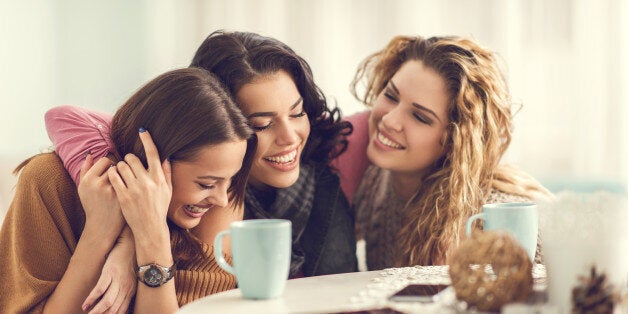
(416, 105)
(274, 113)
(210, 177)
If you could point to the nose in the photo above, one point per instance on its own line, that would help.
(220, 197)
(391, 120)
(286, 134)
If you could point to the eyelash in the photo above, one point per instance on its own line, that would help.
(262, 128)
(206, 187)
(416, 116)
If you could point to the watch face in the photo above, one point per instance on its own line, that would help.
(153, 276)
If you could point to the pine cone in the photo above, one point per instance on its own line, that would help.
(593, 294)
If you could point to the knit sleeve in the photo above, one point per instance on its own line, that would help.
(39, 235)
(353, 162)
(74, 131)
(202, 278)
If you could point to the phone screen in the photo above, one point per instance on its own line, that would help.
(417, 293)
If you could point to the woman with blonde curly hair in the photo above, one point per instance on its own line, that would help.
(440, 121)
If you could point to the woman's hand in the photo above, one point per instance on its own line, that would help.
(117, 284)
(102, 210)
(144, 194)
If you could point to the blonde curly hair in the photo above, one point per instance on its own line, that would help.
(479, 132)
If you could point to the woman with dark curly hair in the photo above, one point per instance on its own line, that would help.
(297, 137)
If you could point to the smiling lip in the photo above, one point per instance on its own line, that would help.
(194, 214)
(385, 143)
(284, 161)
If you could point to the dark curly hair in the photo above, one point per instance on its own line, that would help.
(237, 58)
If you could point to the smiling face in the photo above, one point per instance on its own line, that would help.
(201, 184)
(408, 120)
(274, 108)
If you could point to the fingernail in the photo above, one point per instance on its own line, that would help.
(142, 130)
(85, 307)
(89, 152)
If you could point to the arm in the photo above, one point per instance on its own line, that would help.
(103, 224)
(117, 283)
(144, 196)
(353, 162)
(74, 132)
(45, 264)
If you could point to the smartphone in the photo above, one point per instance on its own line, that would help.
(417, 293)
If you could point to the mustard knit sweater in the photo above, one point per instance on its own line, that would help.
(40, 233)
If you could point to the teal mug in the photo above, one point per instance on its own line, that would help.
(261, 251)
(520, 219)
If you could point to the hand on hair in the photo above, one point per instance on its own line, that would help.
(144, 194)
(102, 210)
(117, 283)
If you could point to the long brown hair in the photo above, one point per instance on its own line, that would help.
(479, 132)
(184, 110)
(238, 58)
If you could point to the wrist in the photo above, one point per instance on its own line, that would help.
(153, 250)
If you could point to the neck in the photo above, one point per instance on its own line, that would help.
(406, 185)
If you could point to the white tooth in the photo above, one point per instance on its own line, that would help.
(386, 141)
(283, 159)
(195, 209)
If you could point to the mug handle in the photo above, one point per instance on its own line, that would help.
(470, 221)
(220, 259)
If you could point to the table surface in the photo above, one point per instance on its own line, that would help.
(320, 294)
(340, 293)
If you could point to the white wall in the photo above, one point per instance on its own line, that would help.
(566, 62)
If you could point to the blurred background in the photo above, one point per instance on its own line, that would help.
(566, 62)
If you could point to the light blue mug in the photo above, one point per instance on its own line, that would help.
(520, 219)
(261, 251)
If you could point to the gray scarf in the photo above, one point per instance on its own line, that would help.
(293, 203)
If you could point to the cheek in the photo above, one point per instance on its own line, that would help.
(264, 140)
(304, 128)
(378, 111)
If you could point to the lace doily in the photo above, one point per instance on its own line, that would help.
(391, 280)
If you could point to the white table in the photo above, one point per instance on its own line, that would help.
(341, 293)
(320, 294)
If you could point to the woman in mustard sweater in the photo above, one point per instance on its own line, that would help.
(55, 237)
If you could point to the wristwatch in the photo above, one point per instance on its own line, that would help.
(155, 275)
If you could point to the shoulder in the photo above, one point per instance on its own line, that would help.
(43, 167)
(44, 172)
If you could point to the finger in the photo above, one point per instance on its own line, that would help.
(116, 181)
(135, 164)
(127, 301)
(125, 172)
(118, 302)
(167, 172)
(100, 167)
(89, 161)
(152, 155)
(108, 300)
(101, 286)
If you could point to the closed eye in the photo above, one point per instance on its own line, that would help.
(422, 119)
(391, 97)
(261, 128)
(206, 186)
(298, 115)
